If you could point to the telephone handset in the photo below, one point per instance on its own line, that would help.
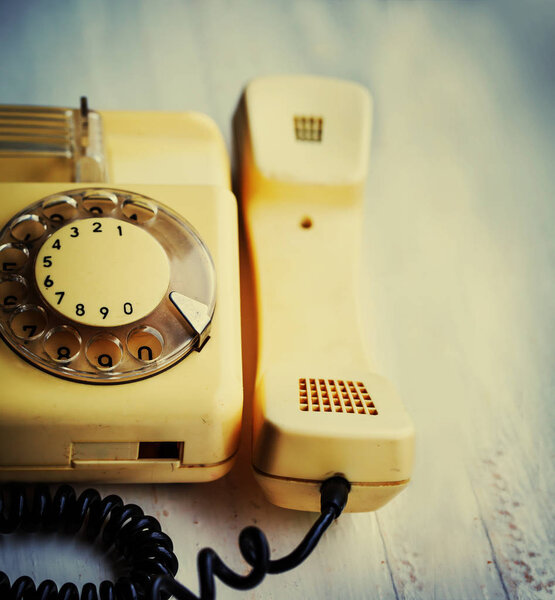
(105, 282)
(319, 409)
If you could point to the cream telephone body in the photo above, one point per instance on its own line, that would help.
(109, 291)
(120, 303)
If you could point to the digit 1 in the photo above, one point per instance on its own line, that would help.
(120, 231)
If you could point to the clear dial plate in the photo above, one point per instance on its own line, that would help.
(103, 285)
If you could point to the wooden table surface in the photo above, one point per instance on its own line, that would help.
(458, 271)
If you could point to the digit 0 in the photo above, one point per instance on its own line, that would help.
(128, 308)
(147, 350)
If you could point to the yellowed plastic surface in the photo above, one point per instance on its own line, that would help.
(302, 494)
(45, 169)
(52, 429)
(165, 148)
(302, 201)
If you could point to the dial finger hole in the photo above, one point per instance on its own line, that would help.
(100, 203)
(139, 211)
(28, 322)
(13, 291)
(27, 228)
(59, 208)
(62, 344)
(145, 344)
(104, 352)
(13, 257)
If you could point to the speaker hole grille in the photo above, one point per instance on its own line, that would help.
(335, 396)
(308, 128)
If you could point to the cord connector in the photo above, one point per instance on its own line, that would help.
(334, 493)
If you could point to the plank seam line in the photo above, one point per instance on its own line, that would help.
(493, 553)
(388, 564)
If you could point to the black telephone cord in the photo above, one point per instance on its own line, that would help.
(138, 539)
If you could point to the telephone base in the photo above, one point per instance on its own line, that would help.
(302, 494)
(54, 428)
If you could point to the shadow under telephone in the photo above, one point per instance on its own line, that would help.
(120, 298)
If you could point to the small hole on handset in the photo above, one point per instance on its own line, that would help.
(306, 222)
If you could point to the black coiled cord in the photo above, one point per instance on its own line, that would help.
(138, 539)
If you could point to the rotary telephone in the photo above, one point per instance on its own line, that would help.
(120, 297)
